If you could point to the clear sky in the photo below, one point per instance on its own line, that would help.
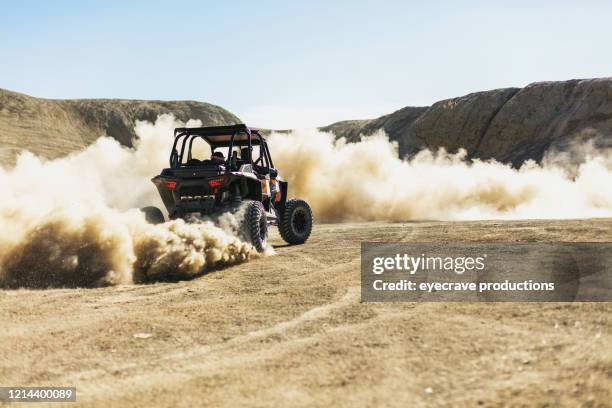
(282, 64)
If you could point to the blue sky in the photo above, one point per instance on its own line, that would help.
(298, 63)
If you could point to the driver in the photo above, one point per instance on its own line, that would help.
(217, 158)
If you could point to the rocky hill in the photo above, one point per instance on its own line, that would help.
(52, 128)
(509, 125)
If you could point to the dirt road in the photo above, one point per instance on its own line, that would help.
(289, 330)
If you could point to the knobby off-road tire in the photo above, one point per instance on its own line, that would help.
(153, 215)
(256, 225)
(295, 223)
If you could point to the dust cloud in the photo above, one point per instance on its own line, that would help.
(367, 181)
(75, 221)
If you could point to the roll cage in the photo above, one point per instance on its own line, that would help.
(221, 136)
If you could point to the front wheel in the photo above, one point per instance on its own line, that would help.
(256, 225)
(295, 222)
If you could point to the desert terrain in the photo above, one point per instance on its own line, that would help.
(289, 330)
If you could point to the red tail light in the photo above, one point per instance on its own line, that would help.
(216, 182)
(170, 184)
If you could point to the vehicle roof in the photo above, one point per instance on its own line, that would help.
(221, 135)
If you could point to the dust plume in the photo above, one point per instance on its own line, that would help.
(74, 221)
(367, 181)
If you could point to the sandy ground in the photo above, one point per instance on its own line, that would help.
(289, 330)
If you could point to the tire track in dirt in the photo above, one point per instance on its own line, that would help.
(318, 312)
(239, 350)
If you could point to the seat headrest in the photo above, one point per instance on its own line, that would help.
(245, 154)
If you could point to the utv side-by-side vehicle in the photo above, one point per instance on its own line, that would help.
(240, 172)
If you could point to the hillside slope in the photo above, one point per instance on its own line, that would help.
(393, 124)
(53, 128)
(510, 125)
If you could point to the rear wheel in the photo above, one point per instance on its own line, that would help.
(296, 222)
(153, 215)
(256, 225)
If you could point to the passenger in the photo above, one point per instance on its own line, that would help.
(245, 155)
(217, 158)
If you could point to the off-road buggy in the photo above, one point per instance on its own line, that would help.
(239, 174)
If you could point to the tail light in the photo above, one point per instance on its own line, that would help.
(217, 182)
(169, 184)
